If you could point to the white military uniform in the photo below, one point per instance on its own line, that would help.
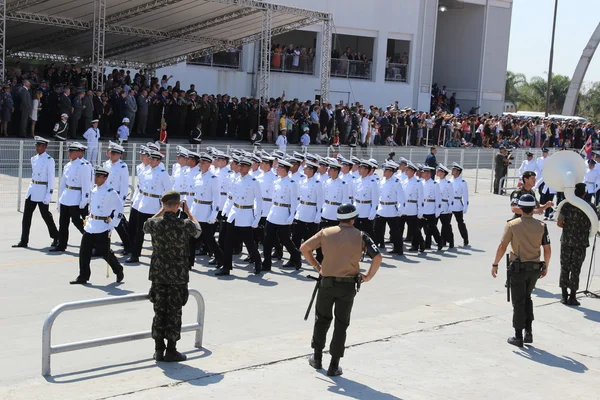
(266, 181)
(74, 188)
(92, 135)
(118, 177)
(366, 196)
(41, 186)
(190, 183)
(391, 198)
(206, 197)
(310, 193)
(349, 179)
(105, 202)
(246, 203)
(529, 166)
(137, 196)
(335, 193)
(154, 182)
(447, 195)
(226, 176)
(592, 179)
(432, 198)
(413, 194)
(285, 202)
(461, 195)
(179, 179)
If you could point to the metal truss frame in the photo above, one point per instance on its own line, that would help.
(98, 37)
(326, 59)
(265, 57)
(276, 8)
(2, 38)
(21, 4)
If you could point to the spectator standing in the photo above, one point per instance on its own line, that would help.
(26, 108)
(36, 108)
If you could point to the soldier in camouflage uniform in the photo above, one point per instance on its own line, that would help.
(573, 244)
(169, 272)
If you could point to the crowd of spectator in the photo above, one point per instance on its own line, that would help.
(33, 101)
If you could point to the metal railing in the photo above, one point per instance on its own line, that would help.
(395, 72)
(293, 63)
(501, 187)
(48, 349)
(355, 69)
(223, 59)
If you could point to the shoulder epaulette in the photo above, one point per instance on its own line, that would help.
(49, 158)
(110, 190)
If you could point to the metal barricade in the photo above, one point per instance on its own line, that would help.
(501, 187)
(48, 349)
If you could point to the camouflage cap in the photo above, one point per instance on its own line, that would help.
(171, 195)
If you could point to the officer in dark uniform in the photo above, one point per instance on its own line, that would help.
(525, 235)
(501, 163)
(169, 272)
(342, 248)
(527, 188)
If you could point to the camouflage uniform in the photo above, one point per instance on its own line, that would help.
(169, 272)
(574, 242)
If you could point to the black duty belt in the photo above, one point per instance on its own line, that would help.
(308, 203)
(267, 199)
(364, 201)
(445, 200)
(203, 202)
(150, 194)
(38, 182)
(184, 193)
(224, 194)
(337, 279)
(243, 207)
(458, 198)
(282, 205)
(333, 203)
(387, 203)
(105, 219)
(73, 187)
(429, 201)
(411, 201)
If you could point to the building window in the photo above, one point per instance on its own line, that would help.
(231, 59)
(396, 60)
(294, 52)
(352, 57)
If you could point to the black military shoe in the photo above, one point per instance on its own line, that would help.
(54, 242)
(248, 259)
(159, 355)
(515, 341)
(413, 249)
(466, 243)
(56, 249)
(315, 362)
(257, 269)
(334, 370)
(565, 296)
(528, 337)
(223, 272)
(120, 277)
(78, 282)
(278, 254)
(126, 252)
(451, 245)
(20, 244)
(266, 268)
(573, 300)
(132, 260)
(174, 356)
(290, 264)
(212, 261)
(440, 246)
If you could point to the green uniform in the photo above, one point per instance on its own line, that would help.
(573, 244)
(169, 272)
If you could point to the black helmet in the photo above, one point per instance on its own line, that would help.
(346, 212)
(527, 200)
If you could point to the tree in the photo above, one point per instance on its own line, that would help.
(532, 94)
(513, 82)
(588, 104)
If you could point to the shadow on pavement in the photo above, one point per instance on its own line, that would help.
(592, 315)
(188, 374)
(259, 279)
(543, 357)
(122, 368)
(356, 390)
(112, 289)
(544, 294)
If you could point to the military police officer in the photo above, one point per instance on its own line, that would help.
(525, 235)
(342, 247)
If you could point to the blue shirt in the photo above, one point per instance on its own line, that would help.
(123, 132)
(305, 139)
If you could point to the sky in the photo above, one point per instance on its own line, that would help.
(531, 32)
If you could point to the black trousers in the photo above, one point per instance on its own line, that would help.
(402, 221)
(283, 232)
(379, 229)
(30, 206)
(303, 231)
(123, 231)
(462, 227)
(208, 238)
(430, 228)
(237, 244)
(325, 223)
(414, 231)
(72, 214)
(522, 284)
(447, 234)
(544, 198)
(365, 225)
(132, 225)
(100, 242)
(138, 240)
(234, 233)
(341, 296)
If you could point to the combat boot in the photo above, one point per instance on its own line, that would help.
(23, 244)
(565, 296)
(159, 350)
(316, 360)
(573, 299)
(172, 355)
(528, 336)
(516, 340)
(334, 367)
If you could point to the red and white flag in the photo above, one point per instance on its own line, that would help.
(588, 146)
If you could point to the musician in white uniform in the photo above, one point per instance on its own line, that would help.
(73, 194)
(447, 193)
(461, 201)
(39, 193)
(137, 196)
(118, 179)
(308, 214)
(105, 207)
(432, 207)
(413, 205)
(390, 208)
(154, 182)
(92, 134)
(366, 197)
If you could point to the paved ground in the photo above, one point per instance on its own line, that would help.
(427, 327)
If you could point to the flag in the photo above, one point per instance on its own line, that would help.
(588, 147)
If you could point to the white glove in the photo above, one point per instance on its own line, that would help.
(255, 223)
(317, 220)
(437, 215)
(290, 220)
(420, 216)
(213, 218)
(371, 218)
(47, 199)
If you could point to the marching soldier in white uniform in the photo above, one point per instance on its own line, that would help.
(137, 196)
(281, 216)
(366, 197)
(308, 214)
(205, 207)
(413, 206)
(335, 193)
(92, 135)
(447, 193)
(179, 172)
(295, 171)
(591, 180)
(529, 164)
(322, 171)
(432, 207)
(390, 208)
(39, 193)
(243, 215)
(73, 194)
(105, 209)
(461, 201)
(266, 180)
(346, 175)
(118, 179)
(192, 169)
(154, 182)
